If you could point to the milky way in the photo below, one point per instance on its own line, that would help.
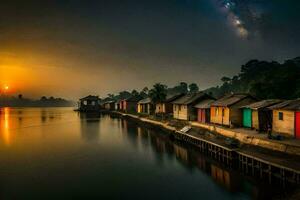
(244, 16)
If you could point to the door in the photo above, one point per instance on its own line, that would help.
(247, 117)
(203, 115)
(297, 124)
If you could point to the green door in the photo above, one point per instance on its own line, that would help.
(247, 117)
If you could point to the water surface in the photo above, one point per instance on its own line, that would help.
(55, 153)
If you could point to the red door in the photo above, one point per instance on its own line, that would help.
(297, 124)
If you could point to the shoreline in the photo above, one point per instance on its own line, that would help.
(255, 159)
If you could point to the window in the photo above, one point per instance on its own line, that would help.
(280, 115)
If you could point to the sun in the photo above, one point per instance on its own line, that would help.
(6, 87)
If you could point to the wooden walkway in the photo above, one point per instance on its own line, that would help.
(249, 161)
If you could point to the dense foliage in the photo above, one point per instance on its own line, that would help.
(265, 80)
(158, 93)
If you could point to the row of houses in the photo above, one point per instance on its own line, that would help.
(233, 110)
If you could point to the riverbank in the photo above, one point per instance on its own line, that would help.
(255, 155)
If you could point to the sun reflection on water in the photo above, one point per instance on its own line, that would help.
(5, 125)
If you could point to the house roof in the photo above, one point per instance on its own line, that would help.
(263, 104)
(118, 101)
(173, 97)
(190, 98)
(230, 99)
(204, 104)
(145, 101)
(90, 97)
(111, 101)
(287, 105)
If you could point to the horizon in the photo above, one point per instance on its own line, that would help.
(71, 49)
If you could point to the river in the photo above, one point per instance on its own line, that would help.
(56, 153)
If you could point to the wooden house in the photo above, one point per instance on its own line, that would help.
(145, 106)
(89, 103)
(117, 105)
(203, 110)
(226, 110)
(129, 105)
(109, 105)
(258, 115)
(166, 107)
(183, 107)
(286, 118)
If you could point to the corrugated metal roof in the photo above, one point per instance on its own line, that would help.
(287, 105)
(144, 101)
(204, 104)
(263, 104)
(230, 99)
(190, 98)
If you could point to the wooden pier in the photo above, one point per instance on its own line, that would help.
(249, 163)
(221, 153)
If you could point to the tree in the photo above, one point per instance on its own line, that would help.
(20, 96)
(264, 80)
(134, 93)
(124, 95)
(183, 87)
(225, 79)
(43, 98)
(144, 92)
(158, 93)
(193, 88)
(111, 97)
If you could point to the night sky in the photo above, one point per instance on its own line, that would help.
(71, 48)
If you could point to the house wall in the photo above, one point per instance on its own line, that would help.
(144, 108)
(168, 108)
(236, 114)
(192, 113)
(219, 115)
(180, 111)
(255, 121)
(160, 108)
(285, 126)
(130, 106)
(164, 108)
(139, 108)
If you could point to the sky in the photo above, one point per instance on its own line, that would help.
(71, 48)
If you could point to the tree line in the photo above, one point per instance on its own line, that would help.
(157, 93)
(262, 79)
(21, 101)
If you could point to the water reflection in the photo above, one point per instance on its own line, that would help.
(56, 151)
(5, 125)
(90, 126)
(192, 160)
